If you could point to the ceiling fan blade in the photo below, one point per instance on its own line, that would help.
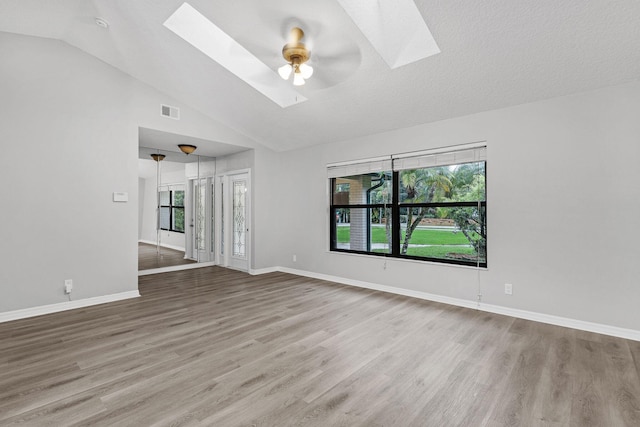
(334, 55)
(334, 68)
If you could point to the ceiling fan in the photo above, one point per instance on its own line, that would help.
(296, 54)
(314, 54)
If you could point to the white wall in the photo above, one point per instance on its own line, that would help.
(142, 183)
(75, 120)
(76, 133)
(270, 187)
(148, 215)
(563, 202)
(234, 162)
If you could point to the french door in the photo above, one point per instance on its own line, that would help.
(234, 241)
(201, 226)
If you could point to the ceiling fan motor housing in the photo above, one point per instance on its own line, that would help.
(295, 52)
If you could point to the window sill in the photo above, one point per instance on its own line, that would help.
(405, 260)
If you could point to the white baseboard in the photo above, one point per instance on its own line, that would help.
(175, 268)
(258, 271)
(582, 325)
(64, 306)
(163, 245)
(598, 328)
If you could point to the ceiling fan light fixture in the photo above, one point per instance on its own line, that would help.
(296, 54)
(298, 80)
(306, 71)
(187, 148)
(285, 71)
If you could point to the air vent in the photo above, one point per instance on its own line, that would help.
(169, 111)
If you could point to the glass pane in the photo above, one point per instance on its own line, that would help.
(200, 215)
(363, 229)
(445, 233)
(213, 227)
(455, 183)
(164, 198)
(468, 182)
(222, 218)
(239, 203)
(165, 214)
(363, 189)
(178, 219)
(178, 198)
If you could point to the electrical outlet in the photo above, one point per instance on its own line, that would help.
(295, 258)
(508, 288)
(68, 286)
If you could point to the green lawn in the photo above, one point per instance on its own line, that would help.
(436, 251)
(440, 251)
(420, 237)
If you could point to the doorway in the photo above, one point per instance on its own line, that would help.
(233, 220)
(175, 212)
(189, 226)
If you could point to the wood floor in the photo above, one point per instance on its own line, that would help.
(149, 257)
(216, 347)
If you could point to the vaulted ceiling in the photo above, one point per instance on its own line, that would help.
(494, 54)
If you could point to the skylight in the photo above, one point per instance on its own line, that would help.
(204, 35)
(394, 28)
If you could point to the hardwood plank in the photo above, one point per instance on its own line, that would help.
(623, 382)
(588, 404)
(554, 405)
(517, 399)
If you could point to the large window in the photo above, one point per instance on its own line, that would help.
(429, 207)
(172, 210)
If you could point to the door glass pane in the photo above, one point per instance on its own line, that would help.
(239, 215)
(213, 240)
(200, 215)
(222, 218)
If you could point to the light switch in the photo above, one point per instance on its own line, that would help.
(120, 197)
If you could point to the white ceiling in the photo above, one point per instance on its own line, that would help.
(495, 53)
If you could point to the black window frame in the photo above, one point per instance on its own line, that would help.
(396, 207)
(171, 208)
(333, 223)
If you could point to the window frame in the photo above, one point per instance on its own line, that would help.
(333, 208)
(172, 207)
(396, 231)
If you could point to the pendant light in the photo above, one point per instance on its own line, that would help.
(186, 148)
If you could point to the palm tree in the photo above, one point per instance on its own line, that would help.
(472, 222)
(422, 186)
